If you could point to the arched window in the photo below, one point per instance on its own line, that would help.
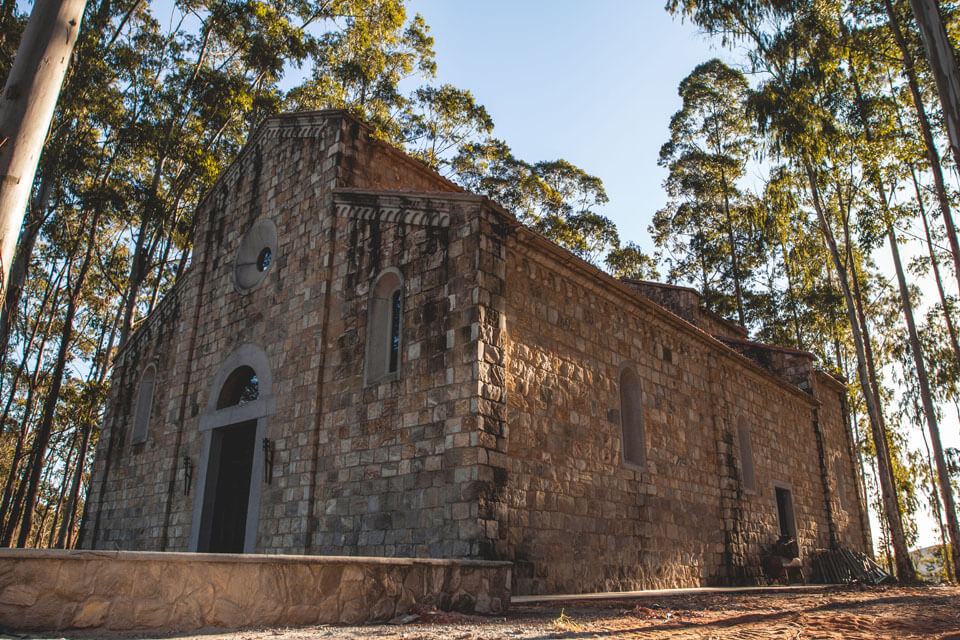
(384, 327)
(141, 416)
(840, 481)
(747, 470)
(241, 387)
(631, 418)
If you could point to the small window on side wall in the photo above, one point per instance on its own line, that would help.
(839, 478)
(748, 473)
(785, 514)
(631, 418)
(384, 329)
(141, 416)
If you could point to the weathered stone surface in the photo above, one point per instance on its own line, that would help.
(500, 433)
(229, 591)
(91, 613)
(19, 595)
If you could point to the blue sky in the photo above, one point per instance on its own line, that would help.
(593, 83)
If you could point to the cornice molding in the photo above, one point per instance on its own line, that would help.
(413, 209)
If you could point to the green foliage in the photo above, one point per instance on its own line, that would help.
(707, 229)
(843, 133)
(629, 261)
(556, 198)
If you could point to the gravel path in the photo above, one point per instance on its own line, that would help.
(893, 613)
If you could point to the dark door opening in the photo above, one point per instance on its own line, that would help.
(788, 526)
(228, 488)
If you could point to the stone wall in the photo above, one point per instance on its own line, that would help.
(841, 463)
(578, 517)
(398, 460)
(285, 175)
(129, 489)
(499, 436)
(793, 365)
(388, 469)
(685, 303)
(169, 592)
(680, 301)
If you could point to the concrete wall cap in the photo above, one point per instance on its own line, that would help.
(236, 558)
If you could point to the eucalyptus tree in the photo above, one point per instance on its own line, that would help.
(805, 308)
(193, 105)
(943, 62)
(359, 65)
(710, 143)
(554, 197)
(442, 120)
(909, 71)
(878, 138)
(797, 107)
(630, 261)
(29, 99)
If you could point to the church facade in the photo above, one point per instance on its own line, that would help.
(364, 359)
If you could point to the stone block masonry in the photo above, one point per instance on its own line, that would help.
(144, 591)
(601, 434)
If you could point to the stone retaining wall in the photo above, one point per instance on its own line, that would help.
(122, 590)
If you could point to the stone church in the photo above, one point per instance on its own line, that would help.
(364, 359)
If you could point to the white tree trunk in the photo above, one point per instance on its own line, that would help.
(916, 350)
(944, 65)
(26, 108)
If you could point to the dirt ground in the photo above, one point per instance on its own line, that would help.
(833, 613)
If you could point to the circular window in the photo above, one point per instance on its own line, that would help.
(257, 252)
(263, 260)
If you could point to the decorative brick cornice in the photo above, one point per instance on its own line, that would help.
(393, 214)
(409, 208)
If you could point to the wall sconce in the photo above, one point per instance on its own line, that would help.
(267, 460)
(187, 475)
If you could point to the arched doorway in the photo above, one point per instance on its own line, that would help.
(227, 507)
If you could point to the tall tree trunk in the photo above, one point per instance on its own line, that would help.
(53, 395)
(87, 424)
(138, 271)
(21, 260)
(943, 63)
(933, 155)
(67, 469)
(734, 259)
(905, 571)
(935, 264)
(916, 350)
(792, 297)
(26, 108)
(53, 285)
(64, 535)
(13, 505)
(938, 512)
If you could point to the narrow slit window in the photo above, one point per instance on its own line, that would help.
(841, 485)
(748, 472)
(394, 332)
(141, 417)
(631, 418)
